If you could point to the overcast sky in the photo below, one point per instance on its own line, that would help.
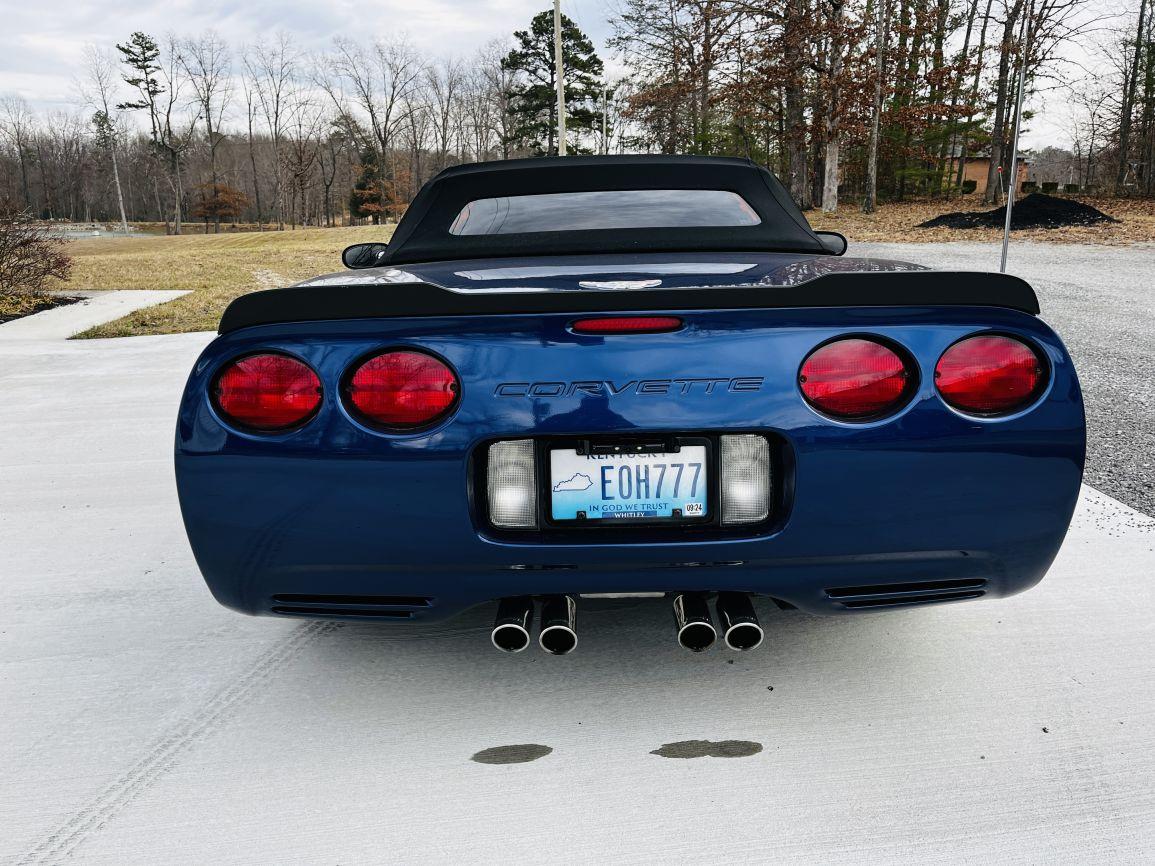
(41, 42)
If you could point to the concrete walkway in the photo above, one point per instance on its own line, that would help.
(60, 323)
(145, 724)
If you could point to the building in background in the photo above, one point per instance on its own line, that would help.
(976, 168)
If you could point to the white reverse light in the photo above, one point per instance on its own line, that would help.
(745, 479)
(512, 484)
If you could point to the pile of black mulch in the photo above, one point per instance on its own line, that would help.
(1036, 211)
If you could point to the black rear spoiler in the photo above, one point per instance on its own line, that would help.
(422, 300)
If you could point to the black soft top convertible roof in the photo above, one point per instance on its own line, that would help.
(423, 233)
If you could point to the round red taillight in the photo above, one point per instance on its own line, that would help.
(402, 390)
(267, 392)
(989, 375)
(855, 379)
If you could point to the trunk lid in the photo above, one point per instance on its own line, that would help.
(621, 272)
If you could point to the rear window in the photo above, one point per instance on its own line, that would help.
(608, 209)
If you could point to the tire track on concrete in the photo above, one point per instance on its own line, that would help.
(168, 749)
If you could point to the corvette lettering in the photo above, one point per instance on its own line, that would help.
(608, 388)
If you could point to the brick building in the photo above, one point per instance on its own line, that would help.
(976, 169)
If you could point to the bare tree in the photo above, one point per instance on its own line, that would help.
(1007, 52)
(328, 158)
(796, 59)
(443, 82)
(252, 109)
(496, 84)
(974, 96)
(205, 60)
(272, 69)
(881, 39)
(380, 84)
(1049, 25)
(1129, 103)
(304, 120)
(833, 116)
(17, 126)
(97, 92)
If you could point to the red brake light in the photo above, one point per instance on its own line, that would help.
(627, 325)
(267, 392)
(402, 390)
(989, 375)
(855, 379)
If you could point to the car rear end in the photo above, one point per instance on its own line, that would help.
(835, 459)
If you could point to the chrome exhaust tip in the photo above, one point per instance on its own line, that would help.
(512, 624)
(740, 627)
(558, 634)
(696, 631)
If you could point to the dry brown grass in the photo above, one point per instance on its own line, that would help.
(215, 268)
(14, 306)
(897, 223)
(218, 268)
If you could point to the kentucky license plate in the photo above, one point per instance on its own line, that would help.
(629, 486)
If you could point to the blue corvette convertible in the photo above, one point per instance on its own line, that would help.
(625, 376)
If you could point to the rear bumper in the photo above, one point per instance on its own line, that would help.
(338, 520)
(300, 563)
(815, 587)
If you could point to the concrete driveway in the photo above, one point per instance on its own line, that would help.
(142, 723)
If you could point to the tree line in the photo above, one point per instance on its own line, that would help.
(866, 100)
(191, 129)
(870, 98)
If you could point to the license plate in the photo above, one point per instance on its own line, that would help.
(666, 486)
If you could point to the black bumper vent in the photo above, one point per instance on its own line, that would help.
(904, 594)
(381, 606)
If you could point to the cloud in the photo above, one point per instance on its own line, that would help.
(579, 482)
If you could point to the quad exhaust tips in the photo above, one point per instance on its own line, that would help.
(512, 624)
(740, 627)
(558, 634)
(692, 617)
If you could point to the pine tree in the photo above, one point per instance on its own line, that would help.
(533, 95)
(149, 75)
(366, 196)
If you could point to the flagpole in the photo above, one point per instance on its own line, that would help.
(559, 75)
(1012, 181)
(605, 127)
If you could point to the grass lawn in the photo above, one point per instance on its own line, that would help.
(218, 268)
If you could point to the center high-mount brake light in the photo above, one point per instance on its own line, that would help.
(602, 325)
(855, 379)
(267, 392)
(402, 390)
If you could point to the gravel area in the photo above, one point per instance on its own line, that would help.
(1101, 301)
